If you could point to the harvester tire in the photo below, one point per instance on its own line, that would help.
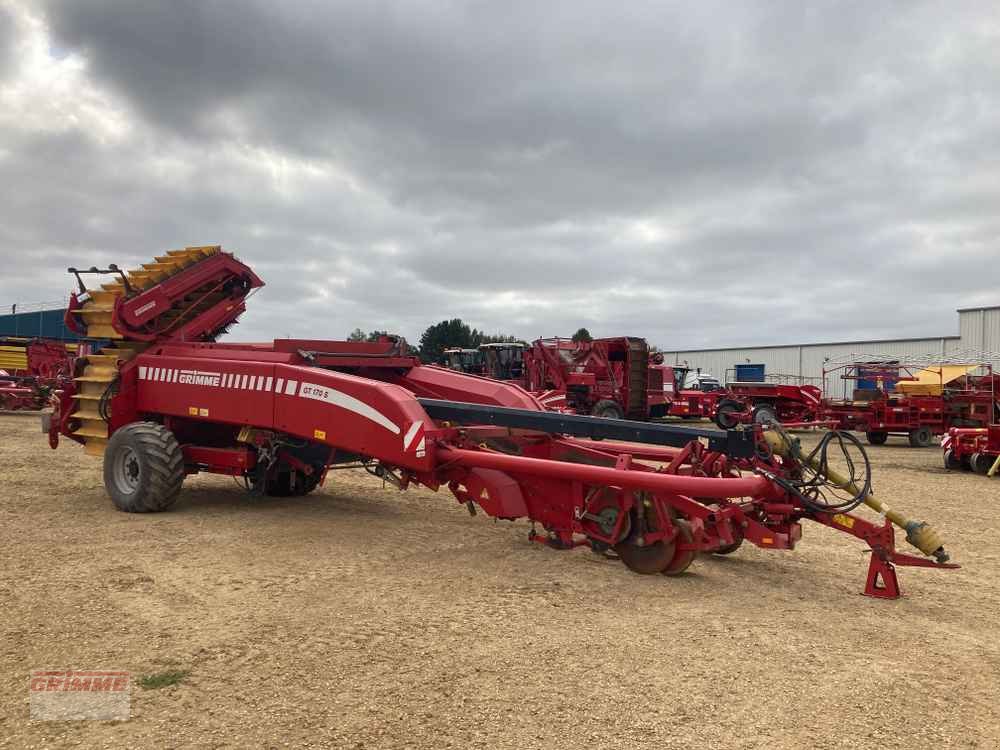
(280, 486)
(607, 409)
(725, 415)
(981, 462)
(877, 437)
(143, 468)
(764, 414)
(950, 462)
(921, 437)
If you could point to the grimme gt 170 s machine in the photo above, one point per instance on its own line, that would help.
(164, 399)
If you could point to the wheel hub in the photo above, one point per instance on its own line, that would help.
(127, 470)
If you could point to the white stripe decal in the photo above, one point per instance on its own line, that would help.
(156, 373)
(227, 379)
(142, 372)
(410, 434)
(344, 401)
(253, 382)
(176, 372)
(278, 385)
(243, 382)
(421, 446)
(290, 387)
(260, 382)
(268, 386)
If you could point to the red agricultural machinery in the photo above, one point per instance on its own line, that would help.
(607, 377)
(974, 448)
(920, 399)
(30, 369)
(762, 403)
(164, 400)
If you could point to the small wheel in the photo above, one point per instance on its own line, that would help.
(682, 557)
(143, 468)
(726, 415)
(607, 409)
(729, 549)
(921, 437)
(950, 462)
(281, 485)
(981, 463)
(646, 559)
(764, 414)
(877, 437)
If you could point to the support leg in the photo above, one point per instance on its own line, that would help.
(882, 583)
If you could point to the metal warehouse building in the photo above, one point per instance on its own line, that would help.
(978, 330)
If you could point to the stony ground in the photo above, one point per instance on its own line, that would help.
(360, 617)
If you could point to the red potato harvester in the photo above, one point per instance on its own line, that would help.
(165, 400)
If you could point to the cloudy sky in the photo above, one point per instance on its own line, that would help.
(700, 173)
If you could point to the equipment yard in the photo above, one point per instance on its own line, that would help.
(359, 616)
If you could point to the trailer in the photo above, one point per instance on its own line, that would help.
(766, 402)
(918, 398)
(165, 399)
(31, 370)
(972, 448)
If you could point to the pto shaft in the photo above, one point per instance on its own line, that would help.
(918, 533)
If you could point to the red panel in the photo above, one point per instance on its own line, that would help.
(347, 412)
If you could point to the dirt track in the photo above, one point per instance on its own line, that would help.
(362, 617)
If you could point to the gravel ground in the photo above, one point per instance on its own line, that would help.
(359, 617)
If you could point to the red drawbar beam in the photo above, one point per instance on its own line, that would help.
(757, 487)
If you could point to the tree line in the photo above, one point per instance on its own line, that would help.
(453, 334)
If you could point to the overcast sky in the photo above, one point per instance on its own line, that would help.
(700, 173)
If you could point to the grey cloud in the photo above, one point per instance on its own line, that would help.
(698, 174)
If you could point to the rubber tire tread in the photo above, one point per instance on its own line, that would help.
(161, 467)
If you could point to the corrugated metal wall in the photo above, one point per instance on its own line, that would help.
(806, 361)
(979, 329)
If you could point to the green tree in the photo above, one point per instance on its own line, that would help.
(445, 335)
(356, 335)
(582, 335)
(374, 336)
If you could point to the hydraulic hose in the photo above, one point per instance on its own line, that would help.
(918, 533)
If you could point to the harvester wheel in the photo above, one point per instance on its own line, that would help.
(731, 548)
(921, 437)
(764, 414)
(143, 468)
(682, 557)
(981, 462)
(607, 409)
(280, 486)
(877, 437)
(646, 559)
(725, 415)
(950, 462)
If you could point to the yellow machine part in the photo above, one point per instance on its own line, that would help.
(13, 358)
(919, 534)
(932, 380)
(101, 369)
